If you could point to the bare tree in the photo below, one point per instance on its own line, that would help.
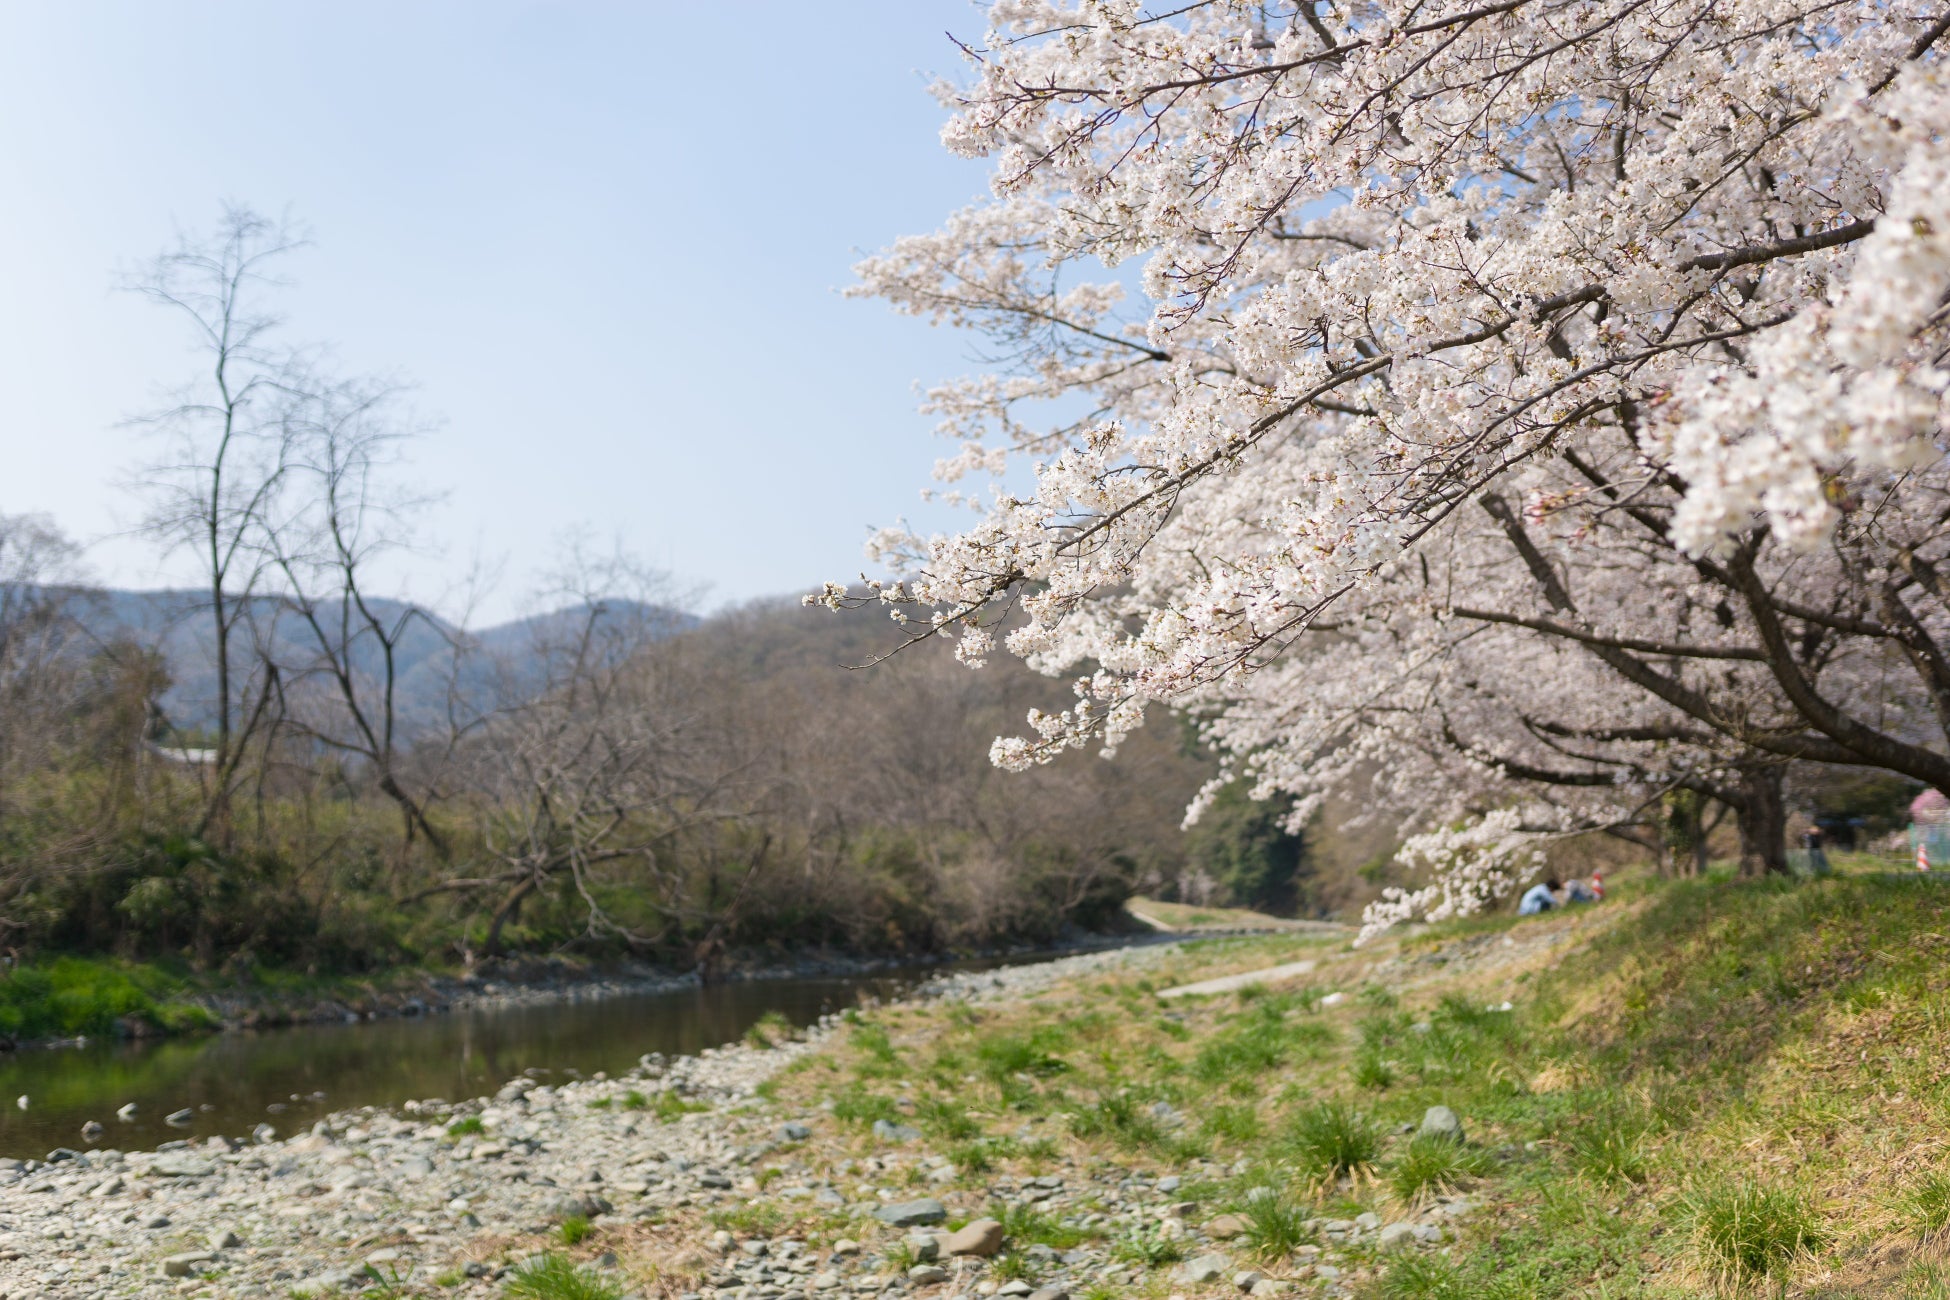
(340, 510)
(225, 455)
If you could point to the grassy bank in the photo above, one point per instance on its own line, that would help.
(1700, 1086)
(78, 995)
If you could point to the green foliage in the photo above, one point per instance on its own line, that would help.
(575, 1230)
(75, 995)
(1430, 1164)
(554, 1277)
(634, 1100)
(465, 1125)
(1745, 1233)
(1331, 1139)
(1261, 1039)
(1241, 843)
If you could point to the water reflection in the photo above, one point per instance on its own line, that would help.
(289, 1077)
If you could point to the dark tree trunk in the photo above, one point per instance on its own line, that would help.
(1762, 818)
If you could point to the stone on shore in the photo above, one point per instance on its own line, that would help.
(980, 1237)
(1441, 1122)
(1204, 1269)
(912, 1214)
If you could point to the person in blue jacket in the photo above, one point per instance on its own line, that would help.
(1541, 897)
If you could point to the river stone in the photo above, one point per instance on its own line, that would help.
(912, 1214)
(225, 1239)
(927, 1274)
(1441, 1122)
(894, 1132)
(179, 1165)
(1396, 1234)
(979, 1237)
(1247, 1280)
(416, 1167)
(566, 1205)
(1050, 1293)
(925, 1247)
(793, 1132)
(1226, 1225)
(1367, 1221)
(1204, 1269)
(185, 1264)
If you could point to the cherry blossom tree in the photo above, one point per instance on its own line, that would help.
(1544, 391)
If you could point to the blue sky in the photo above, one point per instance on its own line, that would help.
(604, 240)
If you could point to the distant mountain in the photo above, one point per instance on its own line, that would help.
(176, 624)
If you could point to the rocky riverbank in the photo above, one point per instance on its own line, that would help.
(460, 1193)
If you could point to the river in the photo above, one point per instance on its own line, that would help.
(288, 1078)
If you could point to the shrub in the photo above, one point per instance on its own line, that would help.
(553, 1277)
(1430, 1163)
(1331, 1139)
(1745, 1234)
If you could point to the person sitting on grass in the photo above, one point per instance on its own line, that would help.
(1541, 897)
(1579, 892)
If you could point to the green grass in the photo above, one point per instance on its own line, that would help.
(465, 1125)
(751, 1218)
(1927, 1206)
(668, 1106)
(634, 1100)
(1332, 1139)
(1275, 1223)
(864, 1108)
(1024, 1225)
(1148, 1248)
(575, 1230)
(554, 1277)
(770, 1029)
(79, 995)
(1429, 1165)
(1745, 1234)
(1610, 1148)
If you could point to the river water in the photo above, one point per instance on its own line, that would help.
(290, 1077)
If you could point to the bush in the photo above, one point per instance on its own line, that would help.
(73, 995)
(1746, 1234)
(1331, 1139)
